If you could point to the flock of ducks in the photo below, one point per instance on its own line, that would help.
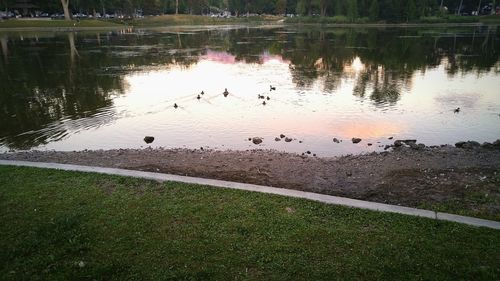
(226, 93)
(259, 96)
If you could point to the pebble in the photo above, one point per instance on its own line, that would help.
(148, 139)
(257, 140)
(356, 140)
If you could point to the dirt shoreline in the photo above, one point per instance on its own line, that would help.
(464, 181)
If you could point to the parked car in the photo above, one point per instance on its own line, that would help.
(6, 15)
(80, 16)
(57, 16)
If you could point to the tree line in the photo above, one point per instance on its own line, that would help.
(375, 10)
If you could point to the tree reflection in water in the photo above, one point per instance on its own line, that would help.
(52, 84)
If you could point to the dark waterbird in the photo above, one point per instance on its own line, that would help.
(175, 105)
(271, 88)
(457, 110)
(202, 92)
(226, 93)
(261, 97)
(198, 97)
(264, 103)
(148, 139)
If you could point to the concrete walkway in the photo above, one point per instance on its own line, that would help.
(265, 189)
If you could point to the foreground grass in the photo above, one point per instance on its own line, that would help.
(481, 200)
(70, 226)
(56, 23)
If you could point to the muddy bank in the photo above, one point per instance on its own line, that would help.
(465, 181)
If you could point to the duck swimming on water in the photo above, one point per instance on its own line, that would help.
(226, 93)
(175, 105)
(271, 88)
(457, 110)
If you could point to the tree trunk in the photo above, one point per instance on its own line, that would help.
(65, 4)
(103, 9)
(5, 47)
(176, 7)
(323, 11)
(460, 7)
(72, 47)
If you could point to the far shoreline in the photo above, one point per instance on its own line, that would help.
(20, 25)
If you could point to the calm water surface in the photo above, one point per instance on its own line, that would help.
(104, 90)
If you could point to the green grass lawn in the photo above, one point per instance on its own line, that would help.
(448, 19)
(169, 20)
(157, 21)
(492, 19)
(78, 226)
(20, 23)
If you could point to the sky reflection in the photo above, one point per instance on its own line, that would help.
(310, 115)
(323, 91)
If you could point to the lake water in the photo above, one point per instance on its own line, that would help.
(105, 90)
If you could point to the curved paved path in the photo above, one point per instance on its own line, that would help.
(265, 189)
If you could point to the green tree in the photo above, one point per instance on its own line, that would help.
(374, 10)
(338, 7)
(411, 11)
(352, 9)
(301, 8)
(280, 8)
(323, 6)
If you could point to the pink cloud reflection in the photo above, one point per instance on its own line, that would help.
(226, 58)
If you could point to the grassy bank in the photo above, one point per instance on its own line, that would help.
(169, 20)
(450, 19)
(152, 21)
(493, 19)
(20, 23)
(177, 20)
(70, 226)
